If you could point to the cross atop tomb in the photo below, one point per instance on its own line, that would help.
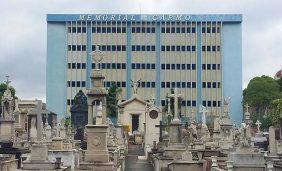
(258, 123)
(97, 56)
(7, 82)
(204, 111)
(161, 126)
(175, 95)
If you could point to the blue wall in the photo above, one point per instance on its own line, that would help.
(56, 68)
(231, 49)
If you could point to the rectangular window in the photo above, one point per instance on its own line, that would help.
(188, 48)
(83, 47)
(114, 29)
(194, 103)
(143, 84)
(138, 66)
(123, 48)
(153, 84)
(214, 66)
(183, 103)
(148, 48)
(93, 29)
(218, 85)
(188, 66)
(209, 103)
(83, 84)
(68, 101)
(218, 66)
(78, 84)
(178, 30)
(173, 66)
(143, 48)
(118, 65)
(167, 66)
(163, 48)
(83, 29)
(188, 84)
(167, 84)
(143, 66)
(93, 66)
(173, 30)
(138, 29)
(208, 66)
(73, 65)
(183, 66)
(204, 103)
(163, 30)
(213, 29)
(123, 84)
(104, 29)
(153, 30)
(193, 29)
(213, 48)
(73, 48)
(203, 48)
(148, 66)
(113, 65)
(118, 47)
(114, 48)
(69, 47)
(118, 30)
(78, 65)
(153, 48)
(109, 30)
(208, 30)
(188, 103)
(203, 84)
(163, 66)
(138, 48)
(73, 83)
(163, 102)
(123, 66)
(78, 48)
(108, 65)
(172, 48)
(123, 29)
(163, 85)
(178, 84)
(69, 65)
(183, 48)
(203, 30)
(133, 66)
(83, 65)
(193, 66)
(109, 48)
(78, 29)
(73, 29)
(193, 84)
(178, 66)
(118, 84)
(183, 84)
(133, 30)
(148, 30)
(68, 83)
(98, 29)
(167, 30)
(172, 84)
(148, 84)
(182, 29)
(214, 103)
(143, 30)
(218, 48)
(203, 66)
(167, 48)
(178, 48)
(213, 84)
(209, 84)
(188, 30)
(208, 48)
(193, 48)
(69, 29)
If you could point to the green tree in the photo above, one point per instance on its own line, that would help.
(276, 111)
(260, 92)
(112, 100)
(279, 81)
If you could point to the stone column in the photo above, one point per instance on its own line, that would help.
(272, 141)
(90, 114)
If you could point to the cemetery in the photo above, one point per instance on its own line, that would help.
(143, 136)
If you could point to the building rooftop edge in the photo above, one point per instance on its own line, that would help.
(144, 17)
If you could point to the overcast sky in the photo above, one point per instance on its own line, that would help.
(23, 33)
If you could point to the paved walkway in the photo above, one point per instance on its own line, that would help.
(132, 163)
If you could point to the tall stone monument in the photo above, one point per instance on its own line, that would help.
(7, 119)
(97, 154)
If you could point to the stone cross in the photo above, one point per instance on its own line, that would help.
(168, 106)
(97, 56)
(161, 126)
(134, 85)
(204, 111)
(7, 82)
(175, 95)
(258, 123)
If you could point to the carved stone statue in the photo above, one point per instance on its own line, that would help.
(134, 85)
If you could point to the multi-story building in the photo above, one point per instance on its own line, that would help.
(201, 55)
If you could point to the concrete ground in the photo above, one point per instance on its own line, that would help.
(131, 161)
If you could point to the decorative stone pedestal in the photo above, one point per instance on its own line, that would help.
(6, 129)
(97, 154)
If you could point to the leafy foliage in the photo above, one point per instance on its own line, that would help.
(112, 100)
(3, 87)
(276, 107)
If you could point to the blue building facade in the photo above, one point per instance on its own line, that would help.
(201, 55)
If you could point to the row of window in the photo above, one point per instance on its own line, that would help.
(178, 48)
(76, 47)
(77, 29)
(211, 48)
(209, 30)
(76, 83)
(210, 84)
(76, 65)
(143, 29)
(210, 103)
(183, 102)
(178, 84)
(143, 48)
(143, 66)
(178, 30)
(110, 66)
(210, 66)
(118, 83)
(108, 29)
(110, 47)
(178, 66)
